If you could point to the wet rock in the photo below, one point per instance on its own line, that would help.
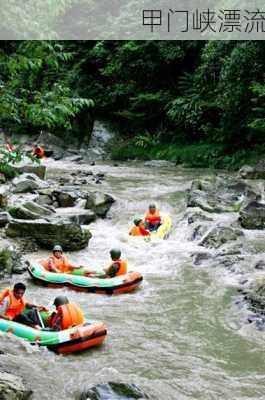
(260, 265)
(2, 178)
(31, 168)
(4, 219)
(255, 294)
(99, 202)
(44, 200)
(197, 216)
(79, 216)
(216, 195)
(27, 183)
(198, 232)
(220, 235)
(29, 210)
(75, 158)
(65, 199)
(256, 172)
(92, 163)
(199, 258)
(46, 234)
(158, 163)
(10, 260)
(13, 388)
(3, 196)
(253, 216)
(114, 391)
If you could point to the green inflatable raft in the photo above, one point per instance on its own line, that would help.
(70, 340)
(117, 285)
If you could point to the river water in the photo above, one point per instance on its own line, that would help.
(180, 336)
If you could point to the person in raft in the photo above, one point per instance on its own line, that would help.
(152, 218)
(13, 305)
(139, 228)
(58, 262)
(117, 266)
(66, 315)
(38, 151)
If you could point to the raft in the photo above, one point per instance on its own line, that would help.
(78, 338)
(117, 285)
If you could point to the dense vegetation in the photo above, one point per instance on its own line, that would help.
(196, 102)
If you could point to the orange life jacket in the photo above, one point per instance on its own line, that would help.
(122, 266)
(62, 263)
(152, 218)
(16, 306)
(70, 315)
(138, 231)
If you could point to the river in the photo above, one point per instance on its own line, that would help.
(180, 336)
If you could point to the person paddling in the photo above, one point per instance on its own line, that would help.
(66, 315)
(117, 266)
(152, 218)
(13, 306)
(139, 228)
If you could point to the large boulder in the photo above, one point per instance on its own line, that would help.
(46, 234)
(31, 168)
(12, 387)
(29, 210)
(115, 391)
(253, 216)
(77, 215)
(27, 183)
(99, 202)
(216, 194)
(255, 172)
(255, 294)
(65, 199)
(10, 260)
(220, 235)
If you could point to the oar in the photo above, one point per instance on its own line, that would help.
(40, 319)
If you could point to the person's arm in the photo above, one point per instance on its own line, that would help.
(51, 266)
(40, 308)
(112, 270)
(3, 307)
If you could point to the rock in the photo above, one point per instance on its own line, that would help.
(31, 168)
(198, 232)
(76, 158)
(2, 178)
(4, 219)
(65, 199)
(199, 258)
(44, 200)
(216, 195)
(197, 217)
(113, 391)
(27, 183)
(10, 260)
(255, 294)
(99, 202)
(46, 234)
(13, 388)
(220, 235)
(29, 210)
(158, 163)
(79, 216)
(256, 172)
(253, 216)
(260, 265)
(3, 196)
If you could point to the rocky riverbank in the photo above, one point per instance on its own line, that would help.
(220, 212)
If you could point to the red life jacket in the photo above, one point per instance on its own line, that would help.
(16, 306)
(154, 218)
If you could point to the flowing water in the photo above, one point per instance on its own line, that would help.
(180, 336)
